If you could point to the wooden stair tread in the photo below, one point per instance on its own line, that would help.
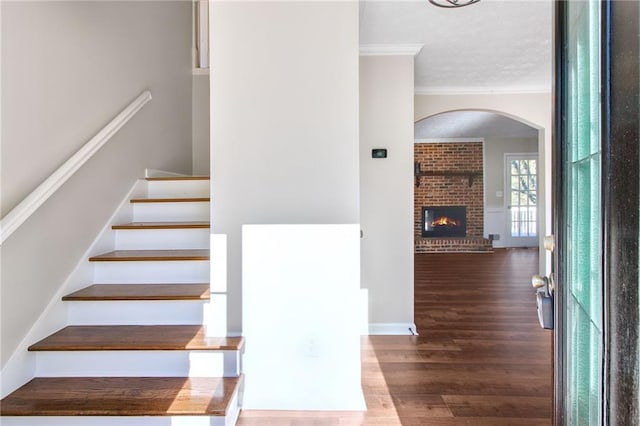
(171, 200)
(98, 292)
(134, 337)
(121, 396)
(162, 225)
(170, 178)
(151, 255)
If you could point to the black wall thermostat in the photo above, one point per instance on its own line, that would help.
(379, 153)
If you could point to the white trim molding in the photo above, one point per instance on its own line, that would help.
(46, 189)
(393, 329)
(153, 173)
(390, 49)
(202, 24)
(200, 72)
(425, 90)
(448, 140)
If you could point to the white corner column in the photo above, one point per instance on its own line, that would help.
(387, 185)
(284, 120)
(284, 150)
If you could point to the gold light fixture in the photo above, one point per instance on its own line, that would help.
(452, 3)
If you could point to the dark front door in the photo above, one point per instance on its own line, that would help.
(596, 208)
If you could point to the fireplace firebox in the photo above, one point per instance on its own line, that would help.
(444, 221)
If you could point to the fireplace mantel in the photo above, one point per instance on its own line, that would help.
(461, 173)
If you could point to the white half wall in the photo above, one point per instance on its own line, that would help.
(302, 329)
(386, 187)
(284, 120)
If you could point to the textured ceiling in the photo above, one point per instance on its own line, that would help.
(472, 124)
(494, 45)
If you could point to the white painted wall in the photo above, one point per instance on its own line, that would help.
(67, 69)
(284, 119)
(534, 109)
(494, 151)
(386, 188)
(200, 125)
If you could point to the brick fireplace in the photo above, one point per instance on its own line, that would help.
(444, 221)
(449, 175)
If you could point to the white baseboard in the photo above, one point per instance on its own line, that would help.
(21, 366)
(392, 328)
(152, 173)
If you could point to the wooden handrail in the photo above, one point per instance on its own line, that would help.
(38, 196)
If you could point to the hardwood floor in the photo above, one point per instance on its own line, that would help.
(480, 359)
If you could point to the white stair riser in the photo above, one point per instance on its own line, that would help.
(151, 272)
(177, 363)
(162, 239)
(167, 212)
(118, 420)
(178, 189)
(215, 317)
(149, 312)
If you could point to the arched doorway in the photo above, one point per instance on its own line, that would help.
(531, 108)
(498, 159)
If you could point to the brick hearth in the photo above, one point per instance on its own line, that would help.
(447, 245)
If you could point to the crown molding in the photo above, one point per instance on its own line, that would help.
(423, 90)
(390, 49)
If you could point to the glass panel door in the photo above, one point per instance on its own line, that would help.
(597, 213)
(582, 215)
(522, 199)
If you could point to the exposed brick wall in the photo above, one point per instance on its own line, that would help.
(450, 190)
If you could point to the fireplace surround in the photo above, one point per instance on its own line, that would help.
(444, 221)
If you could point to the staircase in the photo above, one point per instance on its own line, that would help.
(136, 349)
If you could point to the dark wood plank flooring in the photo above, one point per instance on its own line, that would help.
(480, 359)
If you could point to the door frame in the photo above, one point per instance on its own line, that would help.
(620, 136)
(621, 211)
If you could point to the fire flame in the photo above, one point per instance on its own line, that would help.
(444, 221)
